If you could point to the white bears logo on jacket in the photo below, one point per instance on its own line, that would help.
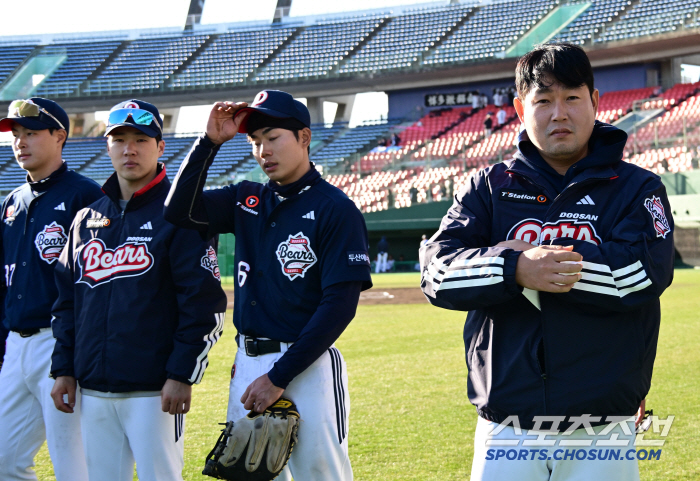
(211, 263)
(658, 214)
(50, 242)
(296, 256)
(100, 264)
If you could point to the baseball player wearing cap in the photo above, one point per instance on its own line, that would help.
(140, 305)
(35, 221)
(301, 257)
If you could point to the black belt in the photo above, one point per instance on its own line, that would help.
(27, 332)
(257, 347)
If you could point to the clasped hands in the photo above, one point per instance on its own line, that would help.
(549, 268)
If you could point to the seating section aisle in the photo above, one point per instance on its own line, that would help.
(496, 146)
(661, 161)
(322, 133)
(593, 21)
(235, 155)
(421, 133)
(464, 140)
(320, 48)
(12, 57)
(680, 92)
(358, 139)
(652, 17)
(405, 39)
(682, 118)
(146, 64)
(403, 187)
(615, 105)
(232, 57)
(176, 149)
(79, 152)
(82, 59)
(490, 31)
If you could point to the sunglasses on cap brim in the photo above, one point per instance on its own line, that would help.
(27, 108)
(138, 117)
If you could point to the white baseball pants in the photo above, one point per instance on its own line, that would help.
(321, 395)
(28, 415)
(575, 463)
(381, 266)
(120, 431)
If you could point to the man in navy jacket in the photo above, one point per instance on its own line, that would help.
(140, 305)
(36, 218)
(560, 255)
(301, 255)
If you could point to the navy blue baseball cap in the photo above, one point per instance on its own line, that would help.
(35, 113)
(278, 105)
(137, 114)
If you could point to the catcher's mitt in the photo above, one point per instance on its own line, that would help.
(245, 444)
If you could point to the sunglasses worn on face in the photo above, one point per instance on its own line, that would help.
(27, 108)
(138, 117)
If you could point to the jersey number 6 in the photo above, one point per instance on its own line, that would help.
(243, 270)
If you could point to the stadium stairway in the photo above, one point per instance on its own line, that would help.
(657, 17)
(549, 26)
(13, 58)
(96, 73)
(195, 54)
(232, 57)
(391, 38)
(313, 54)
(281, 47)
(80, 60)
(360, 45)
(595, 19)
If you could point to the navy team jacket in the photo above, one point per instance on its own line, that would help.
(588, 351)
(36, 218)
(290, 252)
(287, 251)
(140, 300)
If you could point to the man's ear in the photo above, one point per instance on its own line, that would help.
(519, 108)
(305, 136)
(595, 98)
(61, 136)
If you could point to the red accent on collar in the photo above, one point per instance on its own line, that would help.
(156, 180)
(613, 178)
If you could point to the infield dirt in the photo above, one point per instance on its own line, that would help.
(405, 295)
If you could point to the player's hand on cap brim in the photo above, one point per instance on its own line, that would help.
(221, 126)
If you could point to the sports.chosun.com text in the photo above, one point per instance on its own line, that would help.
(573, 454)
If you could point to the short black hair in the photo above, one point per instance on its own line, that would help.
(562, 62)
(52, 130)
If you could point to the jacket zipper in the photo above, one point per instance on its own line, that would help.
(105, 324)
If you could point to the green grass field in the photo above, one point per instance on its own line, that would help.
(410, 417)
